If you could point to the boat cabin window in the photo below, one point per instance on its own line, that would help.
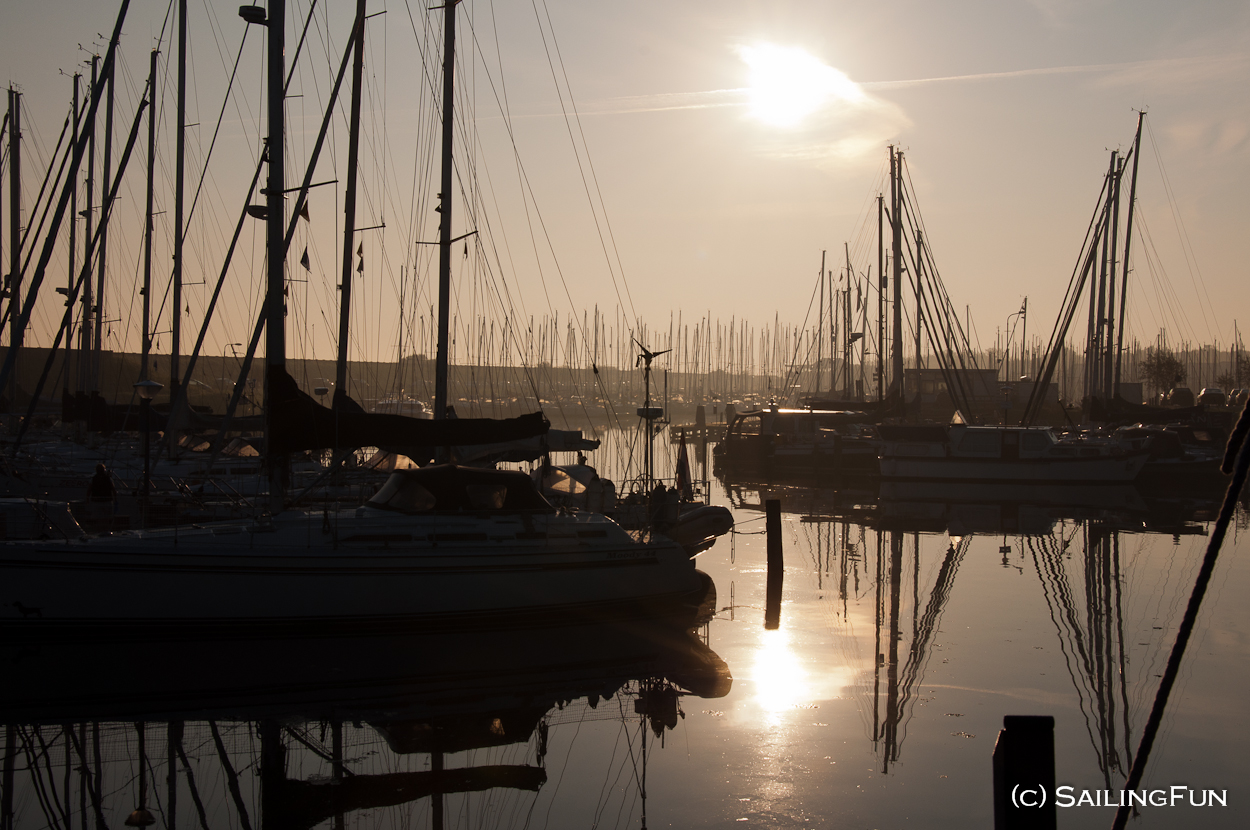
(748, 425)
(792, 425)
(404, 495)
(980, 441)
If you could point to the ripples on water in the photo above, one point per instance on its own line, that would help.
(909, 628)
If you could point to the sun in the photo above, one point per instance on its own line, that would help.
(787, 84)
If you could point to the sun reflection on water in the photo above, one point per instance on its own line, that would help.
(781, 682)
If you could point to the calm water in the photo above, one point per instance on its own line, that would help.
(1063, 605)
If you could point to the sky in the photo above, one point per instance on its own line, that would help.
(689, 159)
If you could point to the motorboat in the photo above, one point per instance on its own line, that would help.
(777, 441)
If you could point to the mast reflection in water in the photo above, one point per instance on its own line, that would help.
(298, 733)
(914, 619)
(943, 608)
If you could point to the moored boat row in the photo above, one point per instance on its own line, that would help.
(807, 442)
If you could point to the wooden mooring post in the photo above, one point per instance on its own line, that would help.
(776, 564)
(1024, 774)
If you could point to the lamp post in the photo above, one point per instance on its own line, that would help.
(147, 390)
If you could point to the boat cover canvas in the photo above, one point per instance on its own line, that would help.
(298, 422)
(102, 416)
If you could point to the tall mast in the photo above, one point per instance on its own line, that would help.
(896, 230)
(1107, 360)
(1128, 241)
(1024, 337)
(349, 204)
(98, 336)
(15, 225)
(833, 337)
(1094, 356)
(145, 339)
(919, 298)
(444, 209)
(820, 328)
(846, 327)
(85, 326)
(883, 283)
(175, 317)
(73, 259)
(4, 129)
(275, 241)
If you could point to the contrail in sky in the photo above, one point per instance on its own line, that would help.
(1056, 70)
(666, 101)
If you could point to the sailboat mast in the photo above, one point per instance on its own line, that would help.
(896, 231)
(73, 260)
(1094, 359)
(179, 170)
(349, 204)
(882, 285)
(15, 224)
(275, 242)
(4, 130)
(444, 209)
(833, 340)
(145, 338)
(820, 327)
(846, 326)
(1107, 359)
(86, 328)
(919, 299)
(101, 264)
(1128, 241)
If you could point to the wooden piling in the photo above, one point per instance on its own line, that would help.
(1024, 774)
(776, 564)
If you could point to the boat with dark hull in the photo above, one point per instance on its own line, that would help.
(437, 546)
(799, 442)
(323, 710)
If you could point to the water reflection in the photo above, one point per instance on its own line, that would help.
(780, 680)
(1084, 585)
(876, 543)
(452, 727)
(1000, 508)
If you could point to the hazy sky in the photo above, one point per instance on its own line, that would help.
(717, 180)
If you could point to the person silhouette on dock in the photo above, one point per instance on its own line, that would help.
(101, 495)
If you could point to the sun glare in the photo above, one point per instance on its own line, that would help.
(787, 84)
(780, 681)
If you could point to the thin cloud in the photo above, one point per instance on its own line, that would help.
(1137, 68)
(665, 101)
(1197, 67)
